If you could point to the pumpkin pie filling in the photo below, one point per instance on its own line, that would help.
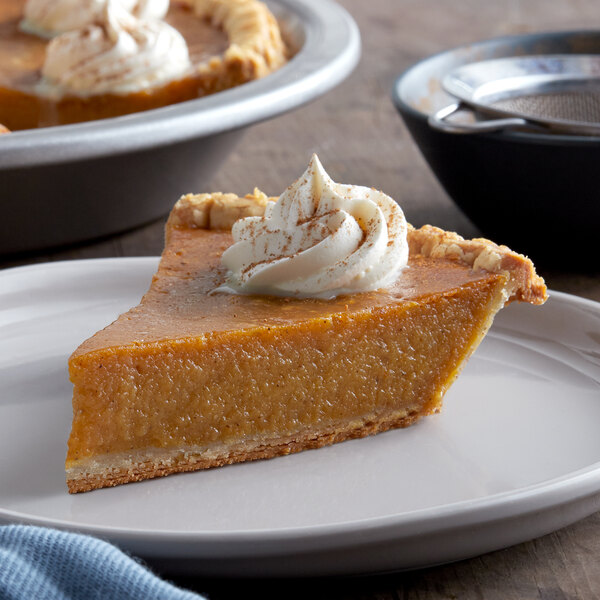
(191, 379)
(229, 366)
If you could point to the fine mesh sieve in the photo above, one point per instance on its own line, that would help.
(553, 93)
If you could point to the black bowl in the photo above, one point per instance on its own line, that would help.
(535, 192)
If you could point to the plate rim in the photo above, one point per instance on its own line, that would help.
(563, 490)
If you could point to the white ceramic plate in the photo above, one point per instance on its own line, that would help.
(514, 454)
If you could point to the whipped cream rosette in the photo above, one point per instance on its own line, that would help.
(320, 239)
(48, 18)
(121, 54)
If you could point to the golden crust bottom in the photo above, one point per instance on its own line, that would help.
(171, 461)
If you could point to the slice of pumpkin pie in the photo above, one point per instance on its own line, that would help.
(278, 325)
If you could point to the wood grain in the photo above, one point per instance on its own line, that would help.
(360, 139)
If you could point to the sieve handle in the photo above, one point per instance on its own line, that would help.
(438, 121)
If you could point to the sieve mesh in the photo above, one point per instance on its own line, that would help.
(576, 106)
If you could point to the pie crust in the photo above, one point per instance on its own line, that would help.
(255, 44)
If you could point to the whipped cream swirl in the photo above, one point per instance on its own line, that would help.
(48, 18)
(120, 55)
(320, 239)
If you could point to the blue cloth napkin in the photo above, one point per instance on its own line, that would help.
(48, 564)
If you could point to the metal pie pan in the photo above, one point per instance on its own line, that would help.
(74, 182)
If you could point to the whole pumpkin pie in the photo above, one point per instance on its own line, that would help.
(117, 61)
(229, 358)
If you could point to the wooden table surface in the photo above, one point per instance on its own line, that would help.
(361, 140)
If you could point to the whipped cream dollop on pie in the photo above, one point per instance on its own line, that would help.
(119, 55)
(48, 18)
(320, 239)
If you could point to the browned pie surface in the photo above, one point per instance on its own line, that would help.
(21, 54)
(179, 304)
(203, 39)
